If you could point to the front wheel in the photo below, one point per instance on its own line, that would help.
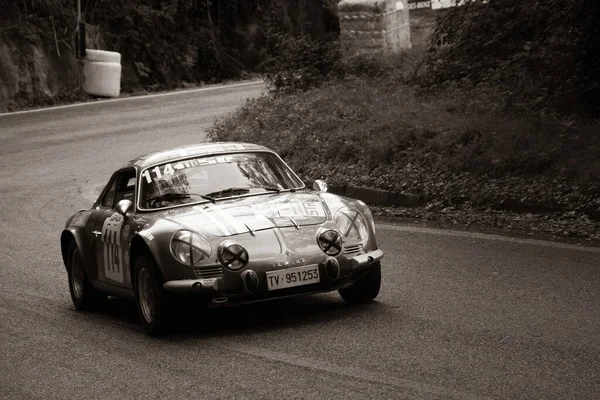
(83, 294)
(365, 289)
(154, 303)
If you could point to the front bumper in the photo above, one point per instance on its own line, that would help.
(249, 285)
(363, 260)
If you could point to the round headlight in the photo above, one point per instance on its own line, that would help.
(369, 217)
(351, 224)
(189, 248)
(330, 242)
(232, 255)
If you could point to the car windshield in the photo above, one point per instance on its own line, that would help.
(214, 177)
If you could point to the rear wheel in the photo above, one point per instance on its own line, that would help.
(83, 294)
(154, 303)
(365, 289)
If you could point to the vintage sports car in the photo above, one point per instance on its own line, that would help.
(226, 223)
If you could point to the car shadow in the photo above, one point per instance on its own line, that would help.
(194, 320)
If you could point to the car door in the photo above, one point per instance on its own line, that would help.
(112, 231)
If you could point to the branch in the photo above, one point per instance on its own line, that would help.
(212, 34)
(93, 11)
(9, 28)
(55, 39)
(235, 60)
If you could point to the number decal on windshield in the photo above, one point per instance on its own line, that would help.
(158, 172)
(168, 169)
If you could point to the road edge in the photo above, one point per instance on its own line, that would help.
(135, 97)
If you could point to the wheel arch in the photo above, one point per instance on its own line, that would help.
(139, 247)
(68, 237)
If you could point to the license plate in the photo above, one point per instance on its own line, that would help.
(292, 277)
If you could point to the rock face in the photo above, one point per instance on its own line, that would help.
(35, 69)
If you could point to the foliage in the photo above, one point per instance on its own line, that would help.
(168, 42)
(546, 51)
(451, 147)
(21, 20)
(299, 63)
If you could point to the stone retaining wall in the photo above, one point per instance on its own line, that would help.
(372, 25)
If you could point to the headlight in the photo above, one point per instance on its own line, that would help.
(351, 224)
(232, 255)
(189, 247)
(369, 216)
(330, 242)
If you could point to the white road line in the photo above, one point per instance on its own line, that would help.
(173, 93)
(487, 236)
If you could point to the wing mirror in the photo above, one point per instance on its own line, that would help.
(124, 206)
(319, 185)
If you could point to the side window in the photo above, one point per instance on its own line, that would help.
(126, 186)
(109, 197)
(129, 189)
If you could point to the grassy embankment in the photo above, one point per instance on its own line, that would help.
(501, 117)
(452, 146)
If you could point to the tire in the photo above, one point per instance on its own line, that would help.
(154, 303)
(365, 289)
(83, 294)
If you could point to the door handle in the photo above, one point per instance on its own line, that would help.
(97, 233)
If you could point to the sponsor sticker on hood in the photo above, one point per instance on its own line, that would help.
(294, 209)
(254, 213)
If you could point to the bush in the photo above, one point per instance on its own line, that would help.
(445, 145)
(545, 52)
(298, 63)
(169, 42)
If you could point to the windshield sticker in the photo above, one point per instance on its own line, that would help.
(160, 171)
(81, 218)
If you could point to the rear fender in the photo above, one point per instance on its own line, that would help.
(67, 237)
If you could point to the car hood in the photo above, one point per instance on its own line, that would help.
(254, 213)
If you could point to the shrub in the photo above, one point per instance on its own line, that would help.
(545, 52)
(298, 62)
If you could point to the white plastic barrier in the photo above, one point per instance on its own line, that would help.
(102, 73)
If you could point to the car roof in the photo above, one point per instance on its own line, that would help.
(193, 150)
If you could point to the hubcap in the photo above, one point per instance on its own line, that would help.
(77, 275)
(146, 295)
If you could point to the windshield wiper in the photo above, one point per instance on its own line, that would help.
(229, 191)
(278, 190)
(272, 189)
(174, 196)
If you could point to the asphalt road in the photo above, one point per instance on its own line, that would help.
(460, 316)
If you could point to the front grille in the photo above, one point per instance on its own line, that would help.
(353, 248)
(209, 272)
